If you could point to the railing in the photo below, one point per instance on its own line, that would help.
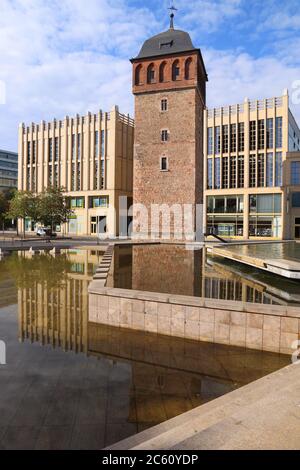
(216, 237)
(254, 105)
(126, 119)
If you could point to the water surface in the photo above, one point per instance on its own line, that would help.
(73, 384)
(173, 269)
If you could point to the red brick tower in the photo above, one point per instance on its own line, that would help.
(169, 84)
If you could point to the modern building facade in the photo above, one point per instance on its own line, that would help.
(8, 170)
(252, 170)
(169, 85)
(91, 157)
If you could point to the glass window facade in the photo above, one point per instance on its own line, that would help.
(295, 172)
(78, 185)
(96, 144)
(265, 215)
(252, 171)
(225, 226)
(50, 150)
(278, 134)
(295, 199)
(225, 181)
(34, 152)
(265, 226)
(28, 153)
(270, 133)
(232, 172)
(96, 174)
(261, 134)
(265, 204)
(217, 173)
(232, 137)
(98, 201)
(210, 141)
(77, 202)
(209, 173)
(241, 169)
(241, 137)
(102, 143)
(78, 146)
(252, 135)
(56, 153)
(278, 169)
(225, 139)
(269, 170)
(217, 140)
(73, 177)
(261, 171)
(233, 204)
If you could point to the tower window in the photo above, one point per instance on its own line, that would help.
(163, 164)
(175, 70)
(187, 71)
(164, 135)
(151, 74)
(138, 71)
(162, 69)
(164, 105)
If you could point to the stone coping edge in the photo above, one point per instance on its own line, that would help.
(96, 287)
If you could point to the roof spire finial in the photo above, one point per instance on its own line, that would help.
(172, 9)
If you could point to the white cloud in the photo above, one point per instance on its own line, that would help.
(60, 57)
(207, 15)
(232, 77)
(66, 57)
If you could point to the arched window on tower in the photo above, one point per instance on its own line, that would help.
(151, 74)
(162, 71)
(138, 72)
(188, 69)
(175, 70)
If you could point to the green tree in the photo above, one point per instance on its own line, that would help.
(53, 207)
(24, 204)
(40, 269)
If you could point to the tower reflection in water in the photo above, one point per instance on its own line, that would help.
(150, 378)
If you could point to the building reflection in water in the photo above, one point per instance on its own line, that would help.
(52, 296)
(149, 378)
(173, 269)
(170, 375)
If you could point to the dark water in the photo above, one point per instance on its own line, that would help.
(72, 384)
(175, 270)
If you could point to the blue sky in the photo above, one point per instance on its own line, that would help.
(62, 57)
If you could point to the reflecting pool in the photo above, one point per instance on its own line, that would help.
(172, 269)
(73, 384)
(279, 251)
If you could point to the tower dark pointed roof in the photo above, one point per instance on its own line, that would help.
(172, 41)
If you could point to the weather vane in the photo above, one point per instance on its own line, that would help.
(172, 9)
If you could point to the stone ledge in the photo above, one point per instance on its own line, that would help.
(279, 310)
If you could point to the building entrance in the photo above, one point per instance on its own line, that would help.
(98, 225)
